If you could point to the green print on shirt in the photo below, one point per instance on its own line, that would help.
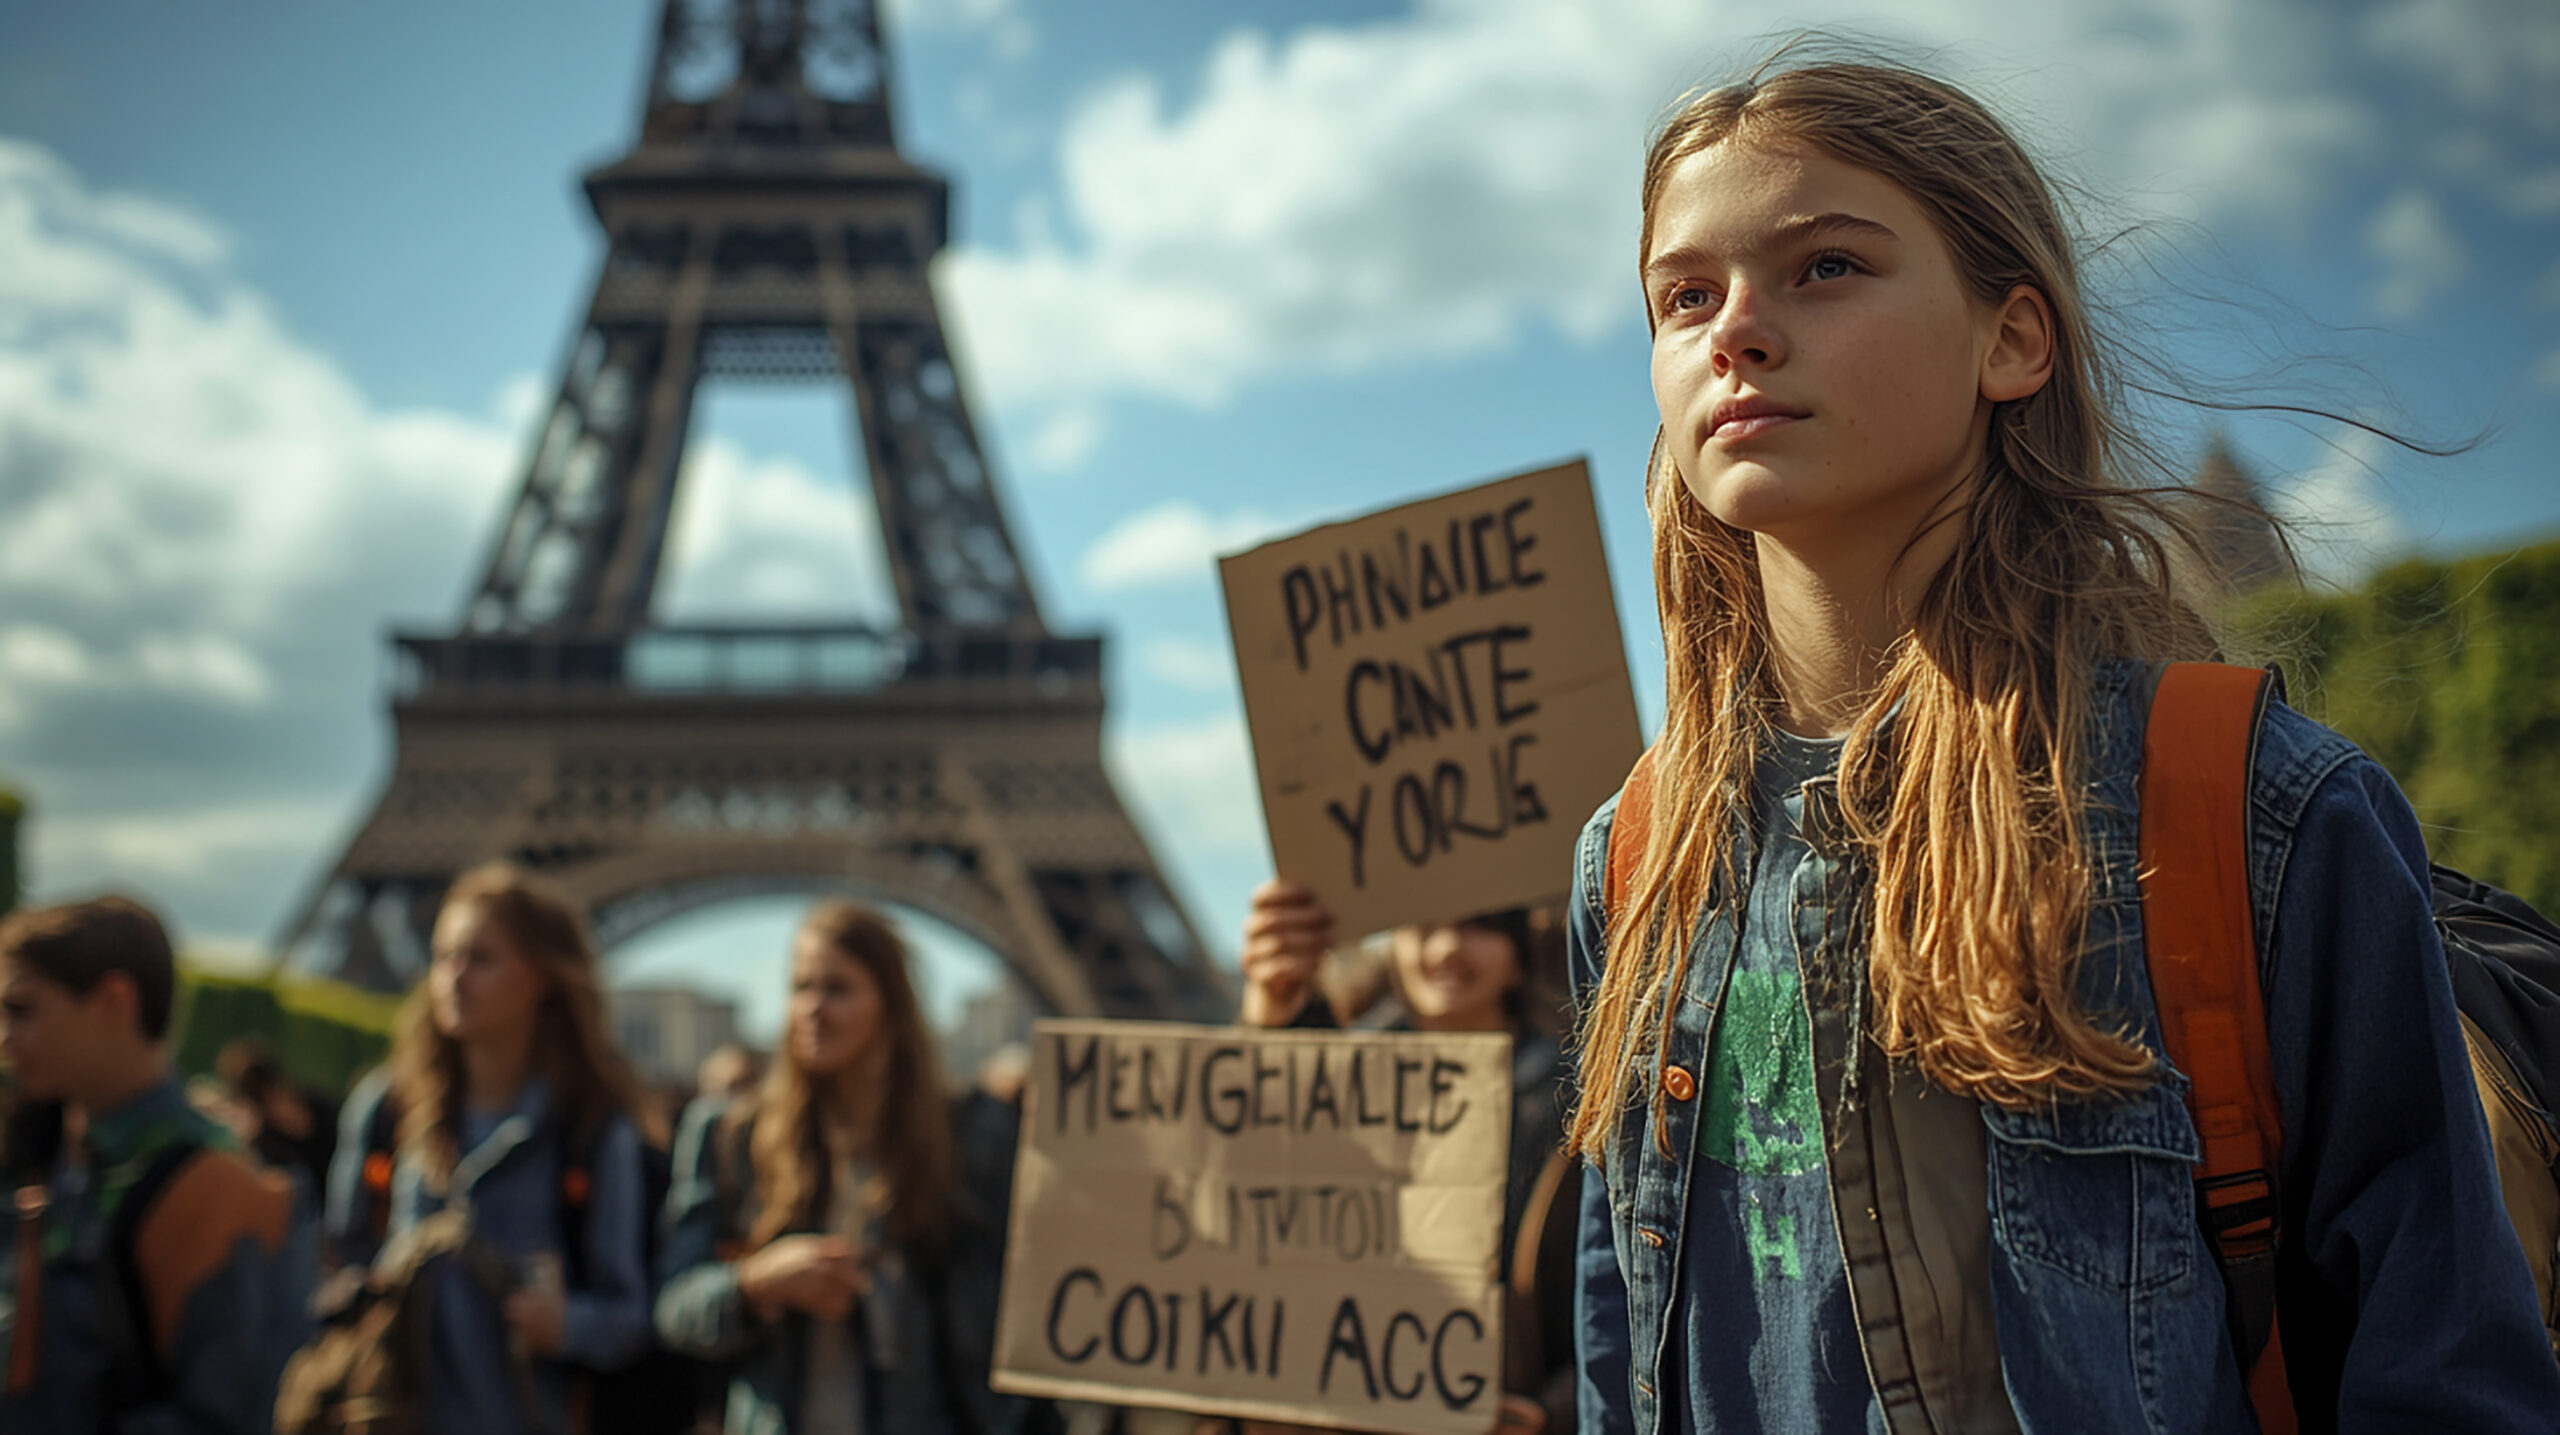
(1764, 1113)
(1763, 1116)
(1761, 1245)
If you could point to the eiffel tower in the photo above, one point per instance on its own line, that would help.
(765, 227)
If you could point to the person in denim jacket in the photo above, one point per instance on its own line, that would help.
(1878, 1132)
(508, 1099)
(816, 1239)
(183, 1322)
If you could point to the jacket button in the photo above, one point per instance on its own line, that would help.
(1652, 1237)
(1678, 1084)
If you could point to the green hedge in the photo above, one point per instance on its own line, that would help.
(2449, 674)
(325, 1034)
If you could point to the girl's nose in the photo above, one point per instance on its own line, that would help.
(1742, 335)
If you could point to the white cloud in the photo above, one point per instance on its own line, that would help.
(170, 851)
(2546, 290)
(2498, 56)
(33, 655)
(1064, 440)
(205, 527)
(2547, 373)
(770, 538)
(1173, 542)
(1194, 778)
(2341, 521)
(2420, 253)
(1438, 184)
(1190, 664)
(1002, 22)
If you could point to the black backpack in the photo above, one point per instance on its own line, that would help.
(2505, 960)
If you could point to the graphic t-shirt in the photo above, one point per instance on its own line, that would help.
(1769, 1339)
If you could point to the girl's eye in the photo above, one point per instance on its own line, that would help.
(1831, 265)
(1687, 297)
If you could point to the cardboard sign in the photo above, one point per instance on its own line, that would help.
(1281, 1225)
(1438, 696)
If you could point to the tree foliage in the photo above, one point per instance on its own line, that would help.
(2449, 674)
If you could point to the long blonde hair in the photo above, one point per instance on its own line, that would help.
(572, 1042)
(894, 1104)
(1967, 805)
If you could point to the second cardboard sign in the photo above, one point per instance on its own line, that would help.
(1438, 696)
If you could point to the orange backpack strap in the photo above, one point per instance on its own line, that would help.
(2201, 940)
(1628, 832)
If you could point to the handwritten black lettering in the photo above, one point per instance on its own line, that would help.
(1444, 1074)
(1472, 1385)
(1298, 600)
(1139, 1298)
(1347, 1336)
(1057, 1308)
(1519, 543)
(1074, 1072)
(1232, 1119)
(1354, 825)
(1169, 1225)
(1387, 1353)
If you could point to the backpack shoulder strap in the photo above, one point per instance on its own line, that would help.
(574, 1149)
(33, 1202)
(142, 1333)
(381, 1154)
(1628, 832)
(2200, 938)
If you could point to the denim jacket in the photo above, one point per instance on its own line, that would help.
(511, 1180)
(2404, 1303)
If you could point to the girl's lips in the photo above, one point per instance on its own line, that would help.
(1749, 427)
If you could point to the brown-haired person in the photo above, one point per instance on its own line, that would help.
(158, 1276)
(1474, 974)
(816, 1236)
(504, 1094)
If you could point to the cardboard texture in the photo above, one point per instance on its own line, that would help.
(1438, 697)
(1297, 1226)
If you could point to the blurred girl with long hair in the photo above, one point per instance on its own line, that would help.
(1880, 1135)
(818, 1240)
(505, 1096)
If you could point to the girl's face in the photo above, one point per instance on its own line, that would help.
(1818, 362)
(835, 1007)
(481, 987)
(1454, 977)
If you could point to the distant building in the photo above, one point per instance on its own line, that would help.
(667, 1031)
(2241, 549)
(988, 1021)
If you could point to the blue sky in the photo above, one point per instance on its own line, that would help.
(282, 284)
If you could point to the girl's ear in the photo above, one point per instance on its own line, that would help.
(2020, 358)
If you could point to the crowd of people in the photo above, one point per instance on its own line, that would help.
(1854, 1114)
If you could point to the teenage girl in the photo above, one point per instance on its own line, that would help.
(1879, 1133)
(509, 1099)
(818, 1239)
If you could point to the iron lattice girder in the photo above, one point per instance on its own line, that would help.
(965, 780)
(765, 227)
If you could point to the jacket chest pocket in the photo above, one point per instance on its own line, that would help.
(2101, 1191)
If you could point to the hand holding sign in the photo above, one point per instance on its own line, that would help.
(1286, 934)
(1437, 694)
